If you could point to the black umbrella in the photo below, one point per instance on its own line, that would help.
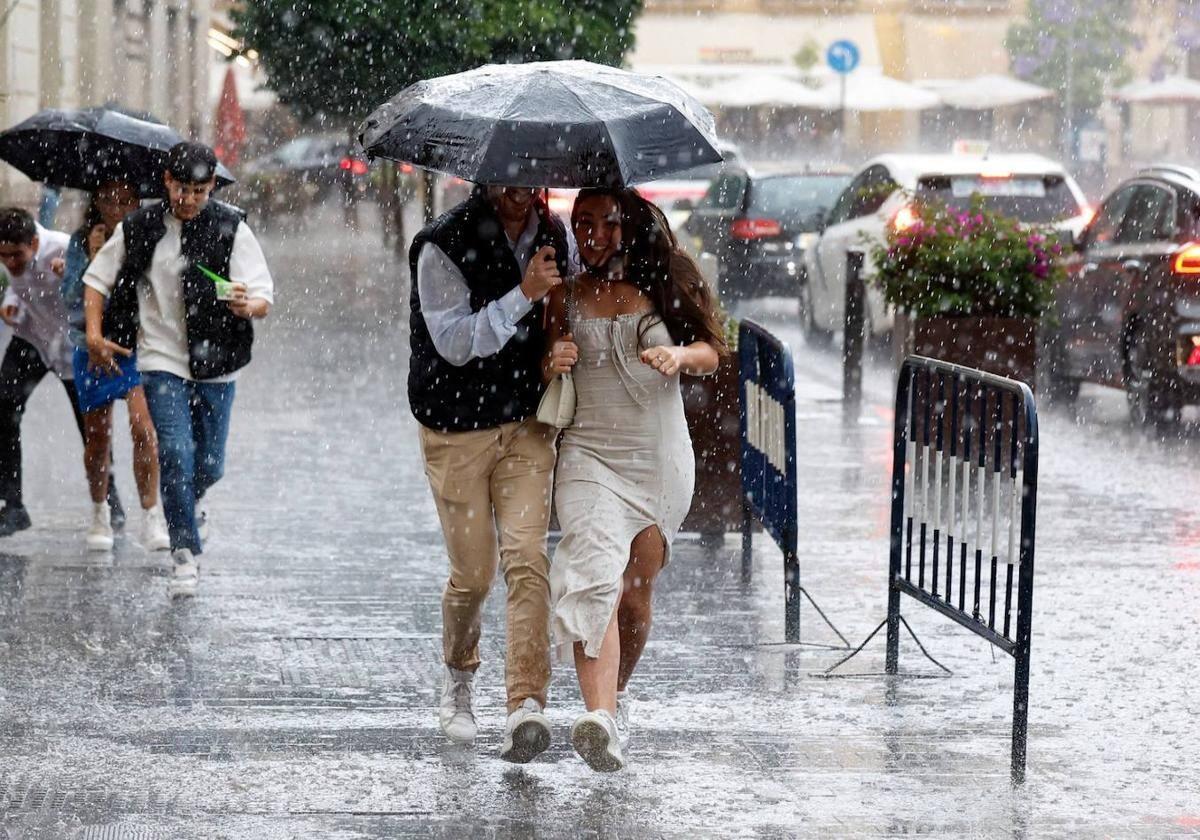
(551, 123)
(84, 148)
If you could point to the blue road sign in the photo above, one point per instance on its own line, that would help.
(842, 56)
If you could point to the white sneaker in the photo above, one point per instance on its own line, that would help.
(202, 520)
(100, 532)
(624, 704)
(185, 574)
(154, 536)
(594, 737)
(454, 711)
(526, 733)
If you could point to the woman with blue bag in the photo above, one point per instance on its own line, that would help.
(99, 389)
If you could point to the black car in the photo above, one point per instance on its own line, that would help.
(1128, 315)
(758, 225)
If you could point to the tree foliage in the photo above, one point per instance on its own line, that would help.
(339, 59)
(1073, 47)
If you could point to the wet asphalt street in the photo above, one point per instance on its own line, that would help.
(295, 696)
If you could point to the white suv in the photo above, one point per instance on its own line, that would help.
(1030, 188)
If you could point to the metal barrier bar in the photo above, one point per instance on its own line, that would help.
(769, 489)
(853, 338)
(964, 475)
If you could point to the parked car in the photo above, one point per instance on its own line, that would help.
(752, 229)
(320, 159)
(1129, 314)
(1030, 188)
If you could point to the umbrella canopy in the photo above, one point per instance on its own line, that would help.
(985, 92)
(1173, 90)
(867, 91)
(84, 148)
(545, 124)
(763, 90)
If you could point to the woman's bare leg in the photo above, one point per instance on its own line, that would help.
(145, 447)
(97, 444)
(598, 677)
(646, 558)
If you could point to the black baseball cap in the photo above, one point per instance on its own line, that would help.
(192, 163)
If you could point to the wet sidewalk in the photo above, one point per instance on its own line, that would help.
(295, 696)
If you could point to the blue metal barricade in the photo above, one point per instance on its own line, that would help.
(769, 492)
(964, 505)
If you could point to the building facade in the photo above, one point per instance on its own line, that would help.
(142, 55)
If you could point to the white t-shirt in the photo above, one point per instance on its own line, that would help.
(41, 313)
(162, 336)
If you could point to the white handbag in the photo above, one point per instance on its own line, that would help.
(557, 407)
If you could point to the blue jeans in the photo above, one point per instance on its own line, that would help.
(192, 421)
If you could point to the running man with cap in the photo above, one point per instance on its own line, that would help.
(192, 334)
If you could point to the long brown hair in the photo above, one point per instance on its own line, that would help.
(655, 264)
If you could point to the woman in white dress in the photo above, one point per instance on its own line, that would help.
(638, 316)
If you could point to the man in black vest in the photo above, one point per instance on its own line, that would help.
(474, 383)
(152, 286)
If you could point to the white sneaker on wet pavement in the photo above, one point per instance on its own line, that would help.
(526, 733)
(594, 737)
(100, 532)
(455, 714)
(184, 576)
(154, 536)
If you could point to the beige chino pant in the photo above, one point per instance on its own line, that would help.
(492, 488)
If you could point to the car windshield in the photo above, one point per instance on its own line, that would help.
(1027, 198)
(795, 199)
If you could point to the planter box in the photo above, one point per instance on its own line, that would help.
(713, 417)
(1004, 346)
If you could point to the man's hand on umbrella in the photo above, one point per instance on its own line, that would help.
(102, 354)
(58, 266)
(9, 314)
(541, 276)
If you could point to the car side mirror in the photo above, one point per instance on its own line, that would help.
(684, 205)
(1079, 241)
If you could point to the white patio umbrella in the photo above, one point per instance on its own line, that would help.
(872, 91)
(1173, 90)
(985, 92)
(762, 90)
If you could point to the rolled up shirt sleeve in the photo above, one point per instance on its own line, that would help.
(460, 334)
(101, 273)
(248, 265)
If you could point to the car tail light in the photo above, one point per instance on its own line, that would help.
(905, 218)
(406, 169)
(354, 166)
(747, 229)
(1187, 261)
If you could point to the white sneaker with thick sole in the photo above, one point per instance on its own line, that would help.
(455, 715)
(185, 574)
(624, 706)
(594, 737)
(100, 532)
(202, 523)
(154, 536)
(526, 733)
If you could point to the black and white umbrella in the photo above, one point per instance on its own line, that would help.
(545, 124)
(83, 148)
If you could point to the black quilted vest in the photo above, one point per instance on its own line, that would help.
(218, 341)
(483, 393)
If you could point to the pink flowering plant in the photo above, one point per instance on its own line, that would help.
(969, 261)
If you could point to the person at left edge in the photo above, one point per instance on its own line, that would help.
(190, 345)
(33, 257)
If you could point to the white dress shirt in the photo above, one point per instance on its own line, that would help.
(162, 334)
(41, 312)
(460, 334)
